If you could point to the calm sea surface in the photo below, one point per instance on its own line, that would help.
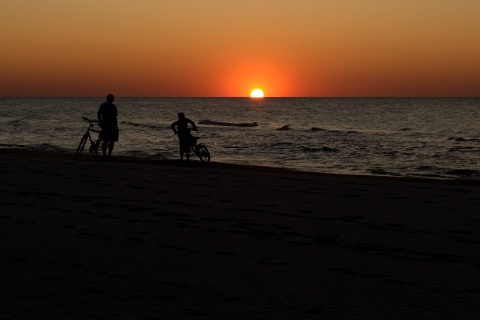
(424, 137)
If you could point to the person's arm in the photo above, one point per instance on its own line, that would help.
(193, 124)
(173, 127)
(99, 116)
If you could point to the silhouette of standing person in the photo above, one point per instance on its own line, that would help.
(180, 127)
(107, 119)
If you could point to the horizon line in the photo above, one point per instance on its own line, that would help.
(246, 97)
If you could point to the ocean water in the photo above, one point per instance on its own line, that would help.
(411, 137)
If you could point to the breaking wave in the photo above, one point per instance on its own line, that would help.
(464, 173)
(43, 147)
(142, 125)
(318, 129)
(333, 131)
(322, 149)
(285, 127)
(228, 124)
(462, 139)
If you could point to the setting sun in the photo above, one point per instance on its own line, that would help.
(256, 93)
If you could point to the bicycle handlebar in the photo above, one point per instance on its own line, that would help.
(88, 120)
(92, 123)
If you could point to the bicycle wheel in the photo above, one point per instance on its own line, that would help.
(81, 145)
(94, 147)
(202, 153)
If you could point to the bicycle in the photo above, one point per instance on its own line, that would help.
(199, 149)
(87, 136)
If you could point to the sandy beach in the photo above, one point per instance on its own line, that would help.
(144, 239)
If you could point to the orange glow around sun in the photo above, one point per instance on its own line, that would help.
(256, 93)
(272, 78)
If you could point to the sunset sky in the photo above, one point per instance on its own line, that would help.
(226, 48)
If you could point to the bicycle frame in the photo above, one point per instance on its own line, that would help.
(87, 136)
(198, 149)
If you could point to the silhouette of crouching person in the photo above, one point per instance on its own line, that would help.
(180, 127)
(107, 120)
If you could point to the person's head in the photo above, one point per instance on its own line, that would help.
(181, 115)
(110, 98)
